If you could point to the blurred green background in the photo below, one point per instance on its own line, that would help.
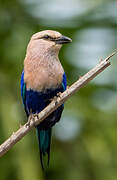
(84, 143)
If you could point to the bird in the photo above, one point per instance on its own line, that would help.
(42, 78)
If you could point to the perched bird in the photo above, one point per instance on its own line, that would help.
(43, 78)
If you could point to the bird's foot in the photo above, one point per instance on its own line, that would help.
(35, 116)
(59, 94)
(57, 97)
(31, 118)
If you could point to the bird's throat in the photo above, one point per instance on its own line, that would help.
(43, 74)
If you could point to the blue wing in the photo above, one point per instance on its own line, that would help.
(23, 92)
(64, 82)
(23, 88)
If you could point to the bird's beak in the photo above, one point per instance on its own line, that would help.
(63, 40)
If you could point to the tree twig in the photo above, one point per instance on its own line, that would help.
(56, 102)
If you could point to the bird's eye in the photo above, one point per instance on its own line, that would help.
(46, 37)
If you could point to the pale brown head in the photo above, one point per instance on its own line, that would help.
(49, 40)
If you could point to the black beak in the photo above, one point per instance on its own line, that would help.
(63, 40)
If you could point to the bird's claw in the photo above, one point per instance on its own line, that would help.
(31, 118)
(28, 123)
(35, 116)
(57, 98)
(58, 94)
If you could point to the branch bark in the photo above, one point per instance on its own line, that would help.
(34, 120)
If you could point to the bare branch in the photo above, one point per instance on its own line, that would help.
(56, 102)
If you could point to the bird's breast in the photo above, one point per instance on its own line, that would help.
(43, 76)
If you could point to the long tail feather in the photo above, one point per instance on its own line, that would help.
(44, 138)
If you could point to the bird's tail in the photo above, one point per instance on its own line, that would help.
(44, 138)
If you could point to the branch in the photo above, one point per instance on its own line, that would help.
(36, 119)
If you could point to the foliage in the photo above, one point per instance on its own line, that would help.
(84, 142)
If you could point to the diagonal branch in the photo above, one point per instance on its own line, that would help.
(56, 102)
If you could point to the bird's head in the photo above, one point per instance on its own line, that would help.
(49, 40)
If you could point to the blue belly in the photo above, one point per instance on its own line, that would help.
(37, 101)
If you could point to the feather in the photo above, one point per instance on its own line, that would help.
(44, 137)
(64, 82)
(35, 102)
(23, 92)
(42, 79)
